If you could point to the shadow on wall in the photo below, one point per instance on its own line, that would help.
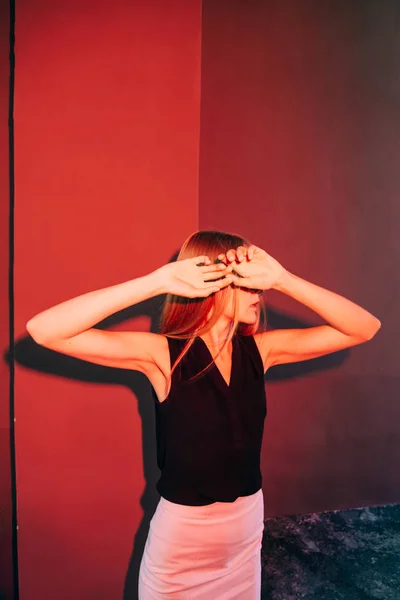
(32, 356)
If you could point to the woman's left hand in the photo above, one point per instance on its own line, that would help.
(256, 268)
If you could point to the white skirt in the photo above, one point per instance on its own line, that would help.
(204, 552)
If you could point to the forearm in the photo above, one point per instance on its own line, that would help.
(83, 312)
(342, 314)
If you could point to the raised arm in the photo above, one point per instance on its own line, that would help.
(68, 327)
(348, 324)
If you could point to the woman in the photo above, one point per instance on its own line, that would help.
(207, 371)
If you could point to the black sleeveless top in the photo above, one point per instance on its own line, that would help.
(209, 434)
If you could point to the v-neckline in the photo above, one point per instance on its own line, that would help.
(220, 376)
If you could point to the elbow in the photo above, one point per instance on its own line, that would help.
(372, 330)
(39, 336)
(29, 328)
(376, 327)
(35, 335)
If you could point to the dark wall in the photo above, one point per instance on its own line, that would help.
(299, 152)
(6, 527)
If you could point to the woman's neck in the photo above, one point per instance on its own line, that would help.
(217, 335)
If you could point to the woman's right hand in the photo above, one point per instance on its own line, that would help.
(194, 277)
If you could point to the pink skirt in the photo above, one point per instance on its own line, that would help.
(204, 552)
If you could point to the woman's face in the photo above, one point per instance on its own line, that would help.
(249, 305)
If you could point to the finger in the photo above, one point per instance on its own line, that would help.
(220, 283)
(214, 268)
(240, 281)
(217, 273)
(216, 277)
(225, 281)
(198, 260)
(209, 288)
(250, 251)
(241, 253)
(231, 255)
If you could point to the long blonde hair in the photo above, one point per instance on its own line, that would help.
(186, 318)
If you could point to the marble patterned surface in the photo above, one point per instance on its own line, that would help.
(342, 555)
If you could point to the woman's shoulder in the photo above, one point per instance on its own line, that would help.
(261, 342)
(165, 351)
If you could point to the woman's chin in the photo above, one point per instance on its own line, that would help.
(249, 319)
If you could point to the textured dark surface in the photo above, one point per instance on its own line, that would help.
(341, 555)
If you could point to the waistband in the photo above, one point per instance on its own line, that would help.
(216, 508)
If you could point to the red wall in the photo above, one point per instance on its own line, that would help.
(107, 130)
(299, 152)
(6, 526)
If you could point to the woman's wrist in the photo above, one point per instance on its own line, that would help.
(157, 282)
(283, 283)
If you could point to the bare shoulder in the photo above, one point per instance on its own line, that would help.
(158, 369)
(149, 353)
(158, 352)
(261, 339)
